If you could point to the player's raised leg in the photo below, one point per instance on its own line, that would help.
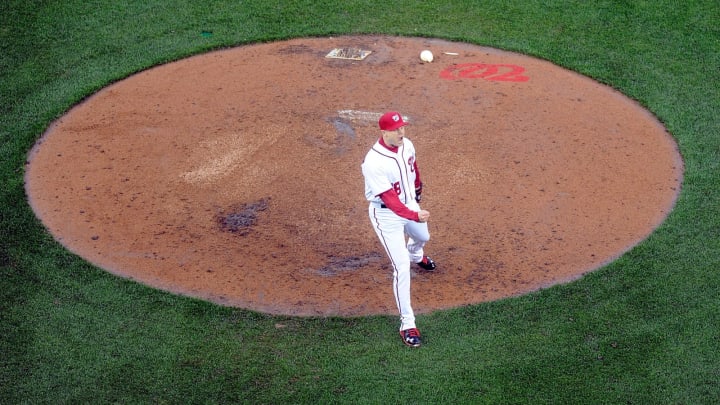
(418, 236)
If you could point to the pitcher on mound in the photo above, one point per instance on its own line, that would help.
(393, 188)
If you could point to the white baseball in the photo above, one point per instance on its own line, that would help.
(426, 56)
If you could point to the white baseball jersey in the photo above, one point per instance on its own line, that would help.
(384, 169)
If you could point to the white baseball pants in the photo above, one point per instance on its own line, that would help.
(392, 229)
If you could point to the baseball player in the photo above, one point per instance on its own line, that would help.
(393, 188)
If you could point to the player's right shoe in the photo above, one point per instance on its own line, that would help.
(411, 337)
(427, 263)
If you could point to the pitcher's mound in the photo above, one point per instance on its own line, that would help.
(234, 176)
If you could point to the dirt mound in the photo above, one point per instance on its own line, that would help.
(234, 176)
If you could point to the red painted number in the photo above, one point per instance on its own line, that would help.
(497, 73)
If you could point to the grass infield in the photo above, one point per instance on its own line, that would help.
(643, 329)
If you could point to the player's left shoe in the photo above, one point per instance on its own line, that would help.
(427, 263)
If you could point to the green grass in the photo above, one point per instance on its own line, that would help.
(644, 329)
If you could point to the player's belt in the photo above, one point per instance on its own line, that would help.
(383, 206)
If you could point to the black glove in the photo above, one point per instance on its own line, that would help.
(418, 193)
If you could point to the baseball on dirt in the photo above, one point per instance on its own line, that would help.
(426, 56)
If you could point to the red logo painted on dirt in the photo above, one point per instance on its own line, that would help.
(492, 72)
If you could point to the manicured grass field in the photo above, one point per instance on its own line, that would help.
(642, 330)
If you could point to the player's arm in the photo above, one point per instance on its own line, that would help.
(418, 182)
(392, 201)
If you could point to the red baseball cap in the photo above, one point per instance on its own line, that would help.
(391, 121)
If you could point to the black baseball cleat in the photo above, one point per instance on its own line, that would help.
(426, 263)
(411, 337)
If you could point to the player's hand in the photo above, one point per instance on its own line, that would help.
(423, 215)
